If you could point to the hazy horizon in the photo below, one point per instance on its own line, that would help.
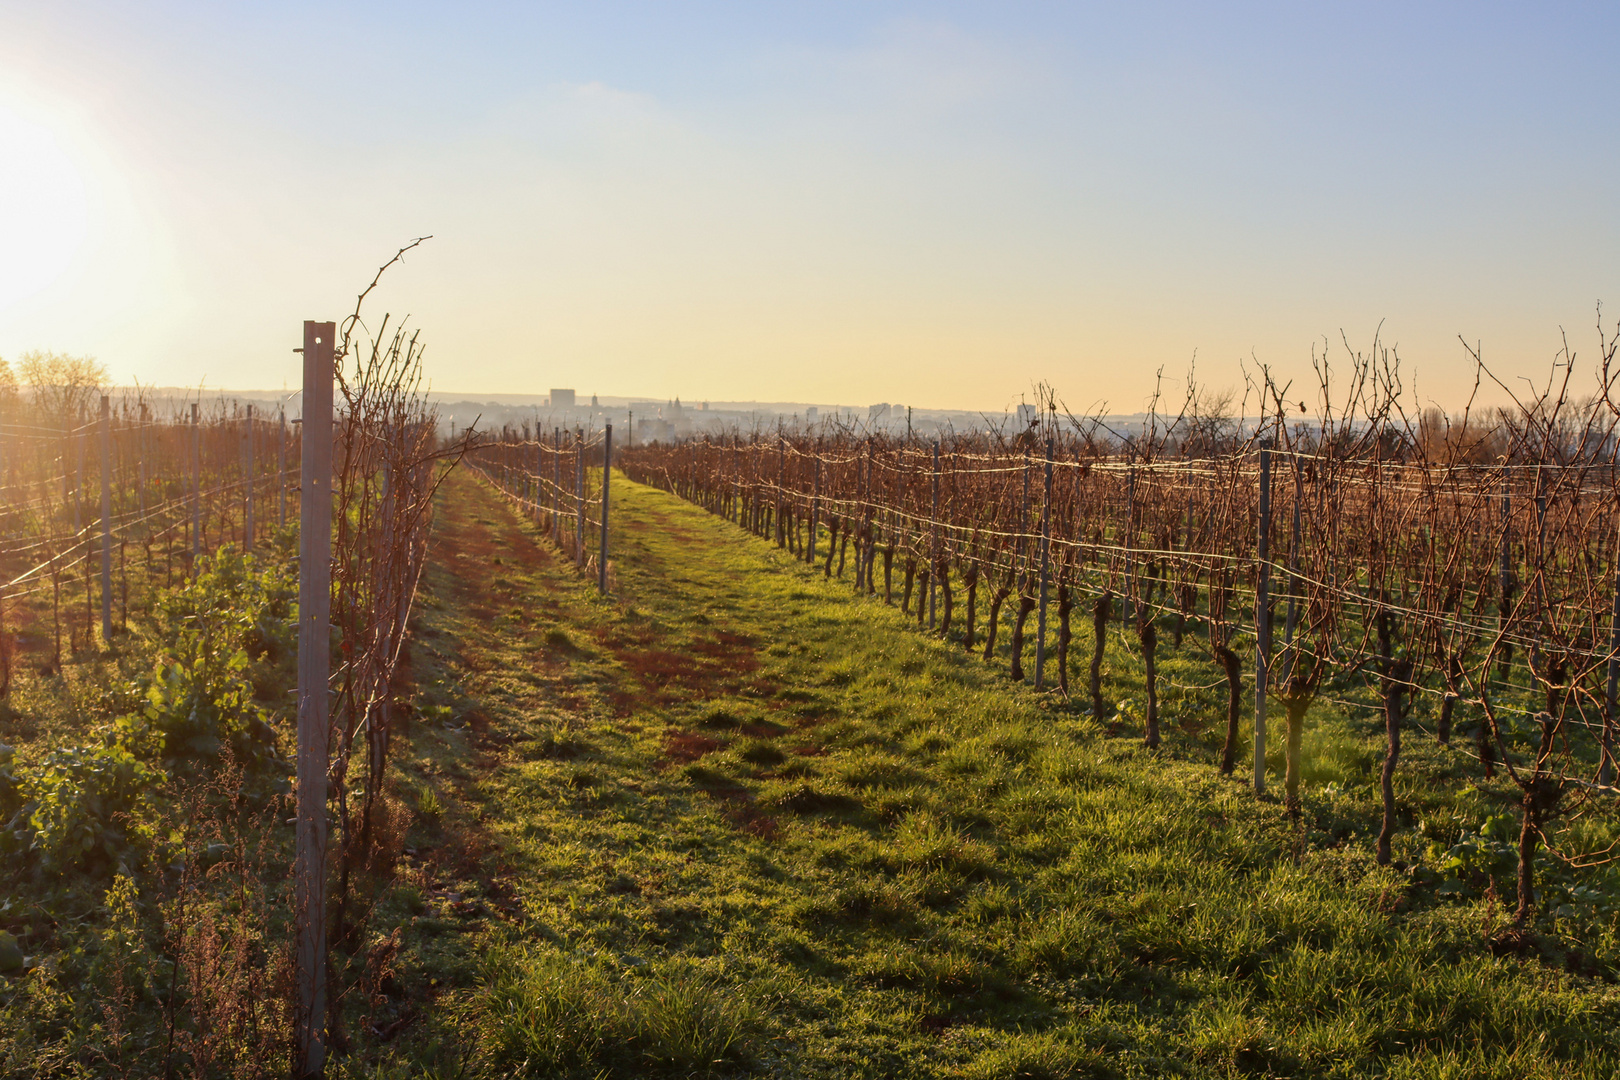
(940, 203)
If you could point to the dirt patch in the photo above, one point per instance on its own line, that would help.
(738, 807)
(750, 820)
(466, 547)
(684, 746)
(478, 547)
(621, 703)
(704, 670)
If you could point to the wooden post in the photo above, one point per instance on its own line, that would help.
(556, 485)
(196, 485)
(539, 475)
(1046, 571)
(247, 483)
(1262, 623)
(314, 660)
(607, 471)
(106, 521)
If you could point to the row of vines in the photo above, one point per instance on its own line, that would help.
(148, 492)
(1372, 551)
(556, 479)
(150, 601)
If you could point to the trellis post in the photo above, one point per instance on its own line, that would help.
(579, 497)
(106, 520)
(140, 455)
(1130, 554)
(247, 483)
(933, 552)
(1022, 552)
(1505, 581)
(281, 465)
(607, 471)
(314, 660)
(196, 484)
(1046, 568)
(1262, 622)
(815, 507)
(1606, 751)
(1292, 618)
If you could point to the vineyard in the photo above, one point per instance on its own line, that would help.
(150, 656)
(1203, 745)
(1457, 578)
(560, 482)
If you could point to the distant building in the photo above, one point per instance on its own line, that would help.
(810, 415)
(877, 412)
(594, 405)
(654, 430)
(562, 399)
(1028, 414)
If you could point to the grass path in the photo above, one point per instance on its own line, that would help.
(736, 820)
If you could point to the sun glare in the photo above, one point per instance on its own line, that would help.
(44, 212)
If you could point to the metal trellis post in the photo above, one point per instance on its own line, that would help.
(1046, 567)
(933, 554)
(314, 661)
(247, 484)
(1262, 623)
(106, 520)
(196, 484)
(579, 497)
(815, 509)
(607, 472)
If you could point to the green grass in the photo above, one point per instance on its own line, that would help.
(735, 820)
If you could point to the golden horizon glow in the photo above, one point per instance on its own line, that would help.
(44, 211)
(845, 205)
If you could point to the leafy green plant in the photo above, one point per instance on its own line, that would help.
(1478, 859)
(85, 806)
(221, 636)
(11, 797)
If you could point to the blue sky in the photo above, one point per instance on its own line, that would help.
(937, 204)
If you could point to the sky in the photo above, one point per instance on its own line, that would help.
(936, 204)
